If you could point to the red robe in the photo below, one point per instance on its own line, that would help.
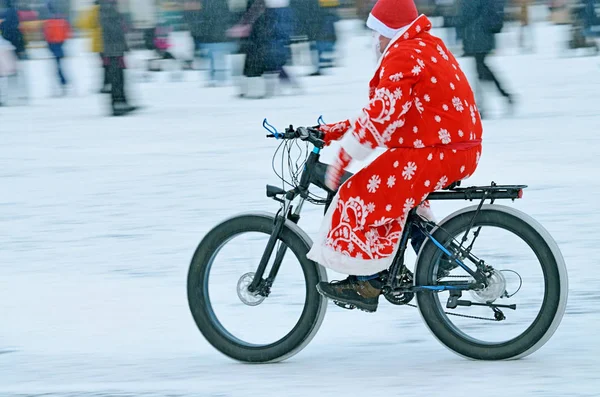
(423, 110)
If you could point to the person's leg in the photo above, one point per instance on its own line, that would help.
(211, 50)
(220, 52)
(60, 70)
(486, 74)
(364, 224)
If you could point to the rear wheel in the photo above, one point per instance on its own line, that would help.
(242, 325)
(528, 271)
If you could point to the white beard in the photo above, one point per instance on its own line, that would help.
(377, 48)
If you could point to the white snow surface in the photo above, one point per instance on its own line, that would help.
(100, 216)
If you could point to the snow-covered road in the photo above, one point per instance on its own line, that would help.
(99, 218)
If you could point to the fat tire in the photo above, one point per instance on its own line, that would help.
(553, 267)
(315, 305)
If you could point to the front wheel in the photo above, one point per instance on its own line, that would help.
(528, 271)
(245, 326)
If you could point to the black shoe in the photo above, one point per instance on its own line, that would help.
(123, 108)
(352, 293)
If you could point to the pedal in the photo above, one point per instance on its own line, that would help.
(344, 305)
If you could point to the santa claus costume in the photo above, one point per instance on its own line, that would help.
(423, 111)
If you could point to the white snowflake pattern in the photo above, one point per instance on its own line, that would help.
(444, 136)
(441, 183)
(472, 136)
(454, 66)
(370, 208)
(419, 105)
(400, 140)
(391, 181)
(422, 44)
(349, 183)
(434, 59)
(408, 205)
(427, 183)
(359, 255)
(442, 52)
(382, 72)
(388, 207)
(350, 247)
(406, 36)
(415, 129)
(457, 77)
(421, 63)
(445, 107)
(418, 28)
(457, 104)
(427, 98)
(418, 144)
(441, 156)
(416, 70)
(461, 133)
(396, 77)
(398, 93)
(438, 118)
(395, 45)
(396, 164)
(433, 80)
(409, 170)
(373, 184)
(430, 156)
(418, 51)
(462, 169)
(452, 86)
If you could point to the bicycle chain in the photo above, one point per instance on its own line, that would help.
(457, 314)
(461, 315)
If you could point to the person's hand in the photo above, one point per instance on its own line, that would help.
(333, 132)
(335, 171)
(239, 31)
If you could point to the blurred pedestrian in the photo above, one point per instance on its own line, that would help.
(8, 67)
(266, 25)
(326, 36)
(89, 20)
(191, 17)
(115, 47)
(215, 20)
(56, 32)
(481, 20)
(526, 39)
(11, 32)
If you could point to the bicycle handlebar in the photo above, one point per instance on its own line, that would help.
(309, 134)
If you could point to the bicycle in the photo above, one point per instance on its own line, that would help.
(447, 267)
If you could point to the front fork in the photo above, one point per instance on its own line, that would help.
(262, 286)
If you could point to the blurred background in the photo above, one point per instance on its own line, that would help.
(261, 47)
(100, 215)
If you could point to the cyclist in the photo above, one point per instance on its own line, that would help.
(422, 109)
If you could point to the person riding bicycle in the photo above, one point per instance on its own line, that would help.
(422, 109)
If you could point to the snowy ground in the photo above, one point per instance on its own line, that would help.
(100, 216)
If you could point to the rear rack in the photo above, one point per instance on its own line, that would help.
(492, 192)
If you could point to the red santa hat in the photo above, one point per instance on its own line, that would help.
(388, 17)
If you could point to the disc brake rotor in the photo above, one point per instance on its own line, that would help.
(496, 288)
(247, 297)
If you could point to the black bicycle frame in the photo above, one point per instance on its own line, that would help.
(258, 285)
(314, 173)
